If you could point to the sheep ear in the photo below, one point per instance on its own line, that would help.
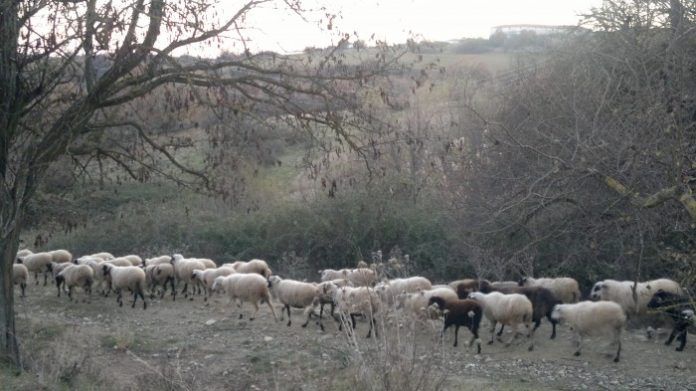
(648, 287)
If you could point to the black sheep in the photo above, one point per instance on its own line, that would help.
(680, 309)
(465, 313)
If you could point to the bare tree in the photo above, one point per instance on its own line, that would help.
(589, 155)
(78, 78)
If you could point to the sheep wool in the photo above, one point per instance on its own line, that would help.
(589, 318)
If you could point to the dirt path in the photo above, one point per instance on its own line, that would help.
(191, 345)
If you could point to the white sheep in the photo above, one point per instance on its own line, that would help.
(99, 278)
(55, 269)
(23, 253)
(245, 287)
(61, 256)
(325, 295)
(362, 277)
(207, 277)
(208, 263)
(126, 277)
(83, 260)
(565, 289)
(357, 277)
(389, 290)
(183, 270)
(621, 292)
(417, 303)
(135, 260)
(295, 294)
(75, 275)
(37, 263)
(352, 301)
(504, 285)
(20, 275)
(589, 318)
(257, 266)
(160, 275)
(158, 260)
(509, 310)
(103, 255)
(331, 274)
(120, 261)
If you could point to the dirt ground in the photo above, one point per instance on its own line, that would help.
(192, 345)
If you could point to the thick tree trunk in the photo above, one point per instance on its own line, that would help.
(9, 348)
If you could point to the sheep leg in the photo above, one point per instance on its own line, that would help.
(617, 339)
(171, 281)
(578, 345)
(492, 329)
(514, 336)
(682, 340)
(256, 309)
(456, 335)
(475, 338)
(23, 286)
(374, 324)
(530, 334)
(369, 332)
(119, 299)
(142, 296)
(287, 307)
(36, 278)
(671, 335)
(58, 286)
(500, 332)
(270, 305)
(45, 278)
(553, 325)
(185, 290)
(70, 293)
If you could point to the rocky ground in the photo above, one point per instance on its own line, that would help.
(190, 345)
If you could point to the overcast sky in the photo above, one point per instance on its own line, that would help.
(397, 20)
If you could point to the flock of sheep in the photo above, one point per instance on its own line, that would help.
(352, 293)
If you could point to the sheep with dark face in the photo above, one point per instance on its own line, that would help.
(75, 276)
(680, 308)
(131, 278)
(37, 263)
(633, 303)
(458, 313)
(160, 275)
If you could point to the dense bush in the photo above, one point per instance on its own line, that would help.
(330, 232)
